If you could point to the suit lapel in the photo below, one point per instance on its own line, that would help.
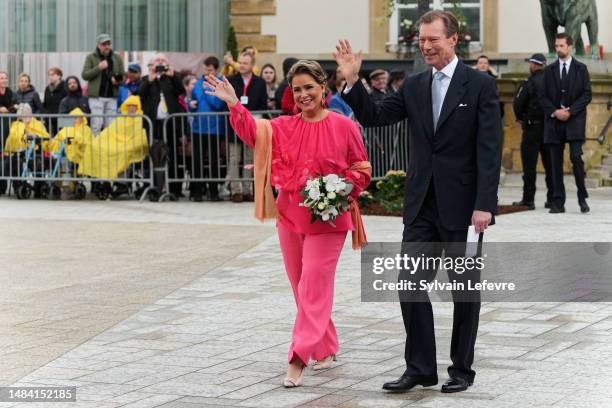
(455, 92)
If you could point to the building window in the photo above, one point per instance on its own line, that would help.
(406, 10)
(134, 25)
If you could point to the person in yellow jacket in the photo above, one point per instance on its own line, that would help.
(122, 143)
(232, 67)
(26, 124)
(77, 137)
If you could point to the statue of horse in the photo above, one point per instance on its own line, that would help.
(570, 14)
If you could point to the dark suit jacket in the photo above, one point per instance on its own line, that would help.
(578, 97)
(257, 92)
(462, 156)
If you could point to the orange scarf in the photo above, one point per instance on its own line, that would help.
(265, 206)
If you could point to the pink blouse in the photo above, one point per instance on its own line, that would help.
(303, 150)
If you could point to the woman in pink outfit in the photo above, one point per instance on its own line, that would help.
(314, 142)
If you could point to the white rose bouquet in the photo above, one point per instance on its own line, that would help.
(326, 197)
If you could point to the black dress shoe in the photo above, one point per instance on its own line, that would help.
(406, 382)
(523, 203)
(584, 207)
(547, 204)
(196, 198)
(456, 384)
(555, 209)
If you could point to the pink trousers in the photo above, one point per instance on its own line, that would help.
(310, 262)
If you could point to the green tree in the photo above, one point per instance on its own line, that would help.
(232, 42)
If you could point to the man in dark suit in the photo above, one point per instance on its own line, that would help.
(564, 99)
(452, 178)
(253, 95)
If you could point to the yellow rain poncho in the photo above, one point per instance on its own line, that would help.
(79, 136)
(16, 140)
(122, 143)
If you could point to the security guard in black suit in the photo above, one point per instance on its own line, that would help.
(530, 114)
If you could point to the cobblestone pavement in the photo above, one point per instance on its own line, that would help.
(222, 339)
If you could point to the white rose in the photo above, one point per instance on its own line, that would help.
(321, 206)
(312, 184)
(325, 217)
(331, 195)
(313, 194)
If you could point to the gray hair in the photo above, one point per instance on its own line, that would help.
(24, 109)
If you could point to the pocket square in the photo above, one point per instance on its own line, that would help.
(463, 105)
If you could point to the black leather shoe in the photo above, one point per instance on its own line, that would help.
(406, 382)
(547, 204)
(555, 209)
(456, 384)
(584, 207)
(523, 203)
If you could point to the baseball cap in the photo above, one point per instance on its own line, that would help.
(134, 67)
(537, 58)
(102, 38)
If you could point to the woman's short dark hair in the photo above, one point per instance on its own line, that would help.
(450, 21)
(308, 67)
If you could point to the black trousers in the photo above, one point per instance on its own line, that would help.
(173, 133)
(420, 350)
(205, 157)
(556, 155)
(532, 144)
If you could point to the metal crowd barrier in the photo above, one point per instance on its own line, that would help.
(203, 149)
(209, 152)
(387, 148)
(46, 155)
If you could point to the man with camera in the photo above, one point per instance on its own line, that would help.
(103, 71)
(159, 92)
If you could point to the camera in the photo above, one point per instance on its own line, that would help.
(161, 69)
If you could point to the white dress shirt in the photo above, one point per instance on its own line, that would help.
(567, 63)
(448, 72)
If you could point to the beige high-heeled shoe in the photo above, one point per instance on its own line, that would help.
(324, 363)
(290, 382)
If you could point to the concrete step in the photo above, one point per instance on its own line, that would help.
(593, 182)
(607, 168)
(606, 160)
(597, 174)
